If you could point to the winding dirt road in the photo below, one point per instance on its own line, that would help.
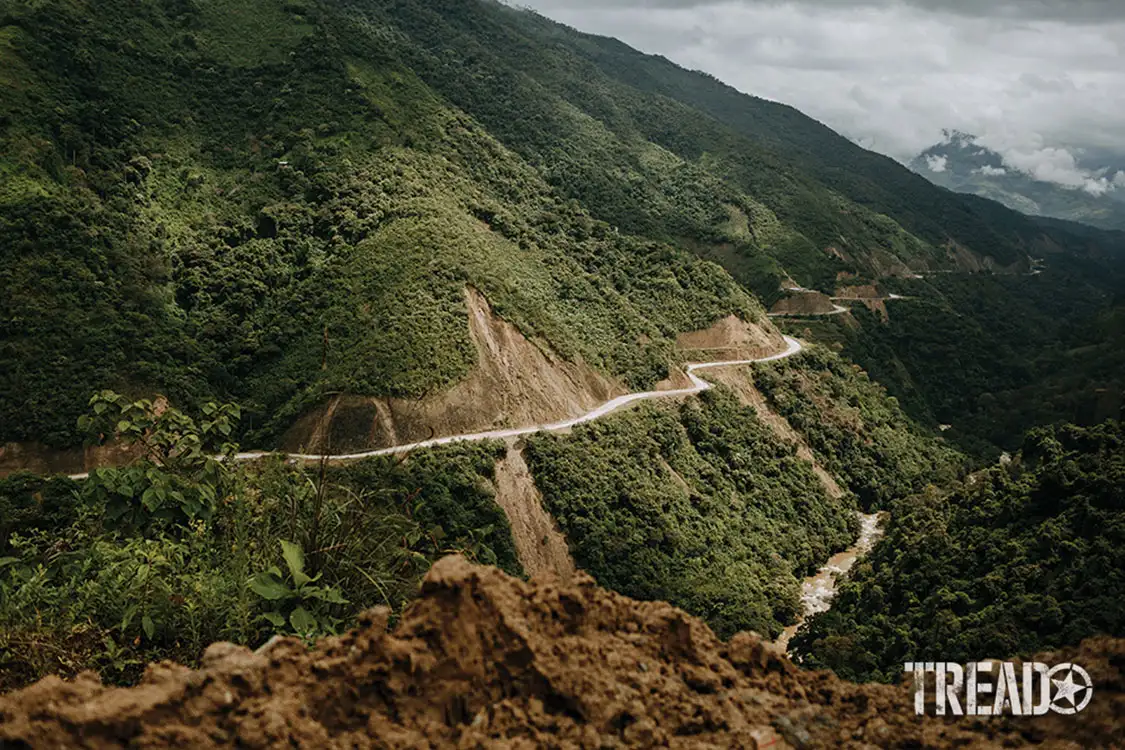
(818, 590)
(698, 385)
(836, 310)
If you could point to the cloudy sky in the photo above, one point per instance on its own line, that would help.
(1040, 81)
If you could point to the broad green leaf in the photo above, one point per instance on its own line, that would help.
(295, 559)
(274, 618)
(302, 621)
(128, 618)
(269, 587)
(150, 499)
(332, 595)
(148, 625)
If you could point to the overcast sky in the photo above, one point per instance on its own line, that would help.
(1041, 81)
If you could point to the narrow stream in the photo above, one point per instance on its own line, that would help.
(818, 591)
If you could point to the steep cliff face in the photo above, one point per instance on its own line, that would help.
(484, 660)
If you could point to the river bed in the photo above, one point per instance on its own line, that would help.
(818, 591)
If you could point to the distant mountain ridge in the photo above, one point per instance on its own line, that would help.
(963, 165)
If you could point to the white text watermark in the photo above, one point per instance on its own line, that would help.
(990, 688)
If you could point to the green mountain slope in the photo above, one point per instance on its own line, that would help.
(278, 202)
(1023, 558)
(278, 196)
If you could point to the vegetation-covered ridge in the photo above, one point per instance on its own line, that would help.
(855, 429)
(1025, 556)
(991, 356)
(703, 505)
(296, 216)
(270, 203)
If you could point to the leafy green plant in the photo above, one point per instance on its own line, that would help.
(298, 602)
(176, 478)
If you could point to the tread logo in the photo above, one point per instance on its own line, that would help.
(1030, 689)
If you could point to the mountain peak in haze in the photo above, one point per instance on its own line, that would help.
(961, 163)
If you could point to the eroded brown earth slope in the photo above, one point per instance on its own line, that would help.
(484, 660)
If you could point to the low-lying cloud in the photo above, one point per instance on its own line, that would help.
(1038, 80)
(988, 171)
(937, 164)
(1059, 166)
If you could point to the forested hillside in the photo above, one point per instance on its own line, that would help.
(276, 202)
(1026, 556)
(703, 506)
(991, 356)
(294, 218)
(289, 223)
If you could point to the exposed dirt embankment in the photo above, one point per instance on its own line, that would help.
(541, 545)
(42, 460)
(803, 303)
(862, 291)
(515, 383)
(731, 338)
(484, 660)
(965, 259)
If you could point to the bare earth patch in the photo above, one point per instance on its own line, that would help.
(540, 544)
(515, 384)
(484, 660)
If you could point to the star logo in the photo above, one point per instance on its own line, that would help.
(1071, 695)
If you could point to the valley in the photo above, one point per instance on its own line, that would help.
(321, 321)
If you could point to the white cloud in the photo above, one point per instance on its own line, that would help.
(1027, 77)
(937, 163)
(1119, 180)
(1057, 165)
(988, 171)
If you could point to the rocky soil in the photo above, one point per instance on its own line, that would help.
(484, 660)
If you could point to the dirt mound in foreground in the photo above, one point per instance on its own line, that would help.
(483, 660)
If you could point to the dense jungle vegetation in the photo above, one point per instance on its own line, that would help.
(855, 429)
(268, 202)
(298, 215)
(1024, 557)
(700, 505)
(159, 559)
(991, 355)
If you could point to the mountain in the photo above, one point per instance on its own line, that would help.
(1023, 557)
(380, 226)
(962, 164)
(283, 204)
